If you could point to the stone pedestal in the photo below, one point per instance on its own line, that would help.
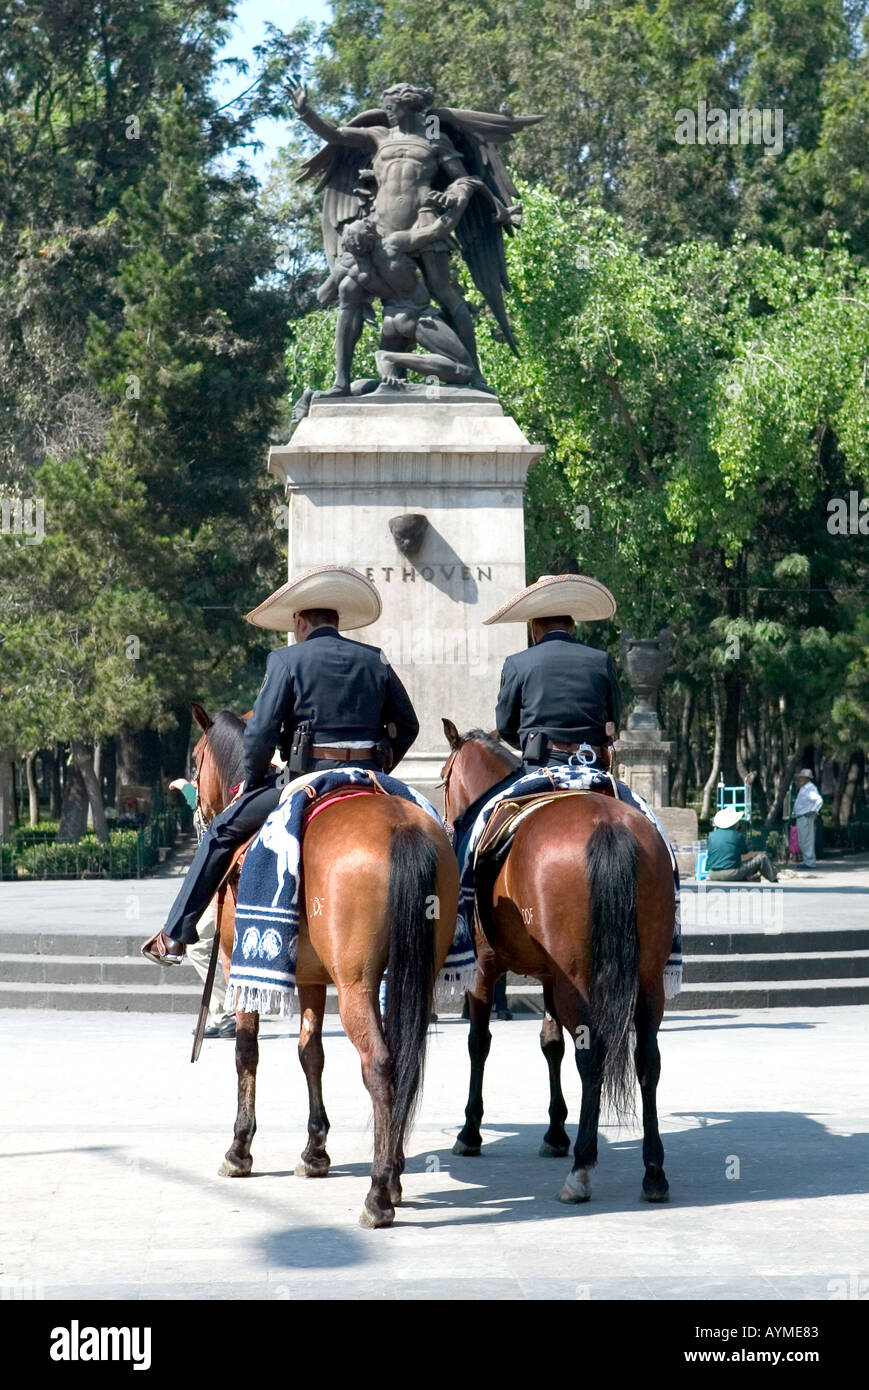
(644, 764)
(643, 752)
(449, 473)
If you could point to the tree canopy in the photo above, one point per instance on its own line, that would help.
(693, 321)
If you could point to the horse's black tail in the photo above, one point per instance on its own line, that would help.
(611, 857)
(411, 912)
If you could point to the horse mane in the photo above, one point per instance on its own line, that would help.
(494, 745)
(225, 738)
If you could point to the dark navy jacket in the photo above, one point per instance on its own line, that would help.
(561, 687)
(346, 689)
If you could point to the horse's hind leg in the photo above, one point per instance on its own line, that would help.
(648, 1063)
(312, 1005)
(238, 1162)
(360, 1016)
(470, 1141)
(555, 1141)
(590, 1056)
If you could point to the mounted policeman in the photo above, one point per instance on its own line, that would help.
(559, 700)
(559, 697)
(325, 702)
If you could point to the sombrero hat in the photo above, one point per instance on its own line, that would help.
(725, 818)
(585, 600)
(353, 597)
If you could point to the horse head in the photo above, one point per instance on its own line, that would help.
(217, 757)
(477, 761)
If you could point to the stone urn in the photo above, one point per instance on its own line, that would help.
(645, 660)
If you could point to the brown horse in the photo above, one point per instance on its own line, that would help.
(584, 902)
(379, 890)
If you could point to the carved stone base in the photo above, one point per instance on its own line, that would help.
(644, 764)
(360, 475)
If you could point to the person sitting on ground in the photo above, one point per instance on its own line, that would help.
(727, 860)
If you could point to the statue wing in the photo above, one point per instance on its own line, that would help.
(476, 136)
(336, 169)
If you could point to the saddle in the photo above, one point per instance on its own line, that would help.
(319, 803)
(509, 814)
(497, 838)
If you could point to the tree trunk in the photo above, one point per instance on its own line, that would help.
(74, 810)
(110, 772)
(774, 814)
(753, 762)
(730, 730)
(32, 788)
(698, 749)
(853, 785)
(84, 758)
(680, 775)
(138, 757)
(55, 793)
(7, 793)
(174, 744)
(98, 759)
(841, 779)
(712, 779)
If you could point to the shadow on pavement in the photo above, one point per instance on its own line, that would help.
(772, 1156)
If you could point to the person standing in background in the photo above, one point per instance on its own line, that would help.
(806, 807)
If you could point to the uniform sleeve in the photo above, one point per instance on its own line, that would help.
(399, 717)
(509, 706)
(273, 708)
(614, 696)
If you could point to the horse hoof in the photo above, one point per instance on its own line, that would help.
(656, 1195)
(577, 1188)
(553, 1151)
(376, 1220)
(307, 1168)
(466, 1150)
(235, 1168)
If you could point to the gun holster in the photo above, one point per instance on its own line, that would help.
(536, 748)
(383, 755)
(300, 758)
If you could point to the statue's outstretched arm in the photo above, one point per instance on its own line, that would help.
(358, 136)
(416, 238)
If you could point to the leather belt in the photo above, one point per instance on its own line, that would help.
(604, 755)
(343, 755)
(575, 747)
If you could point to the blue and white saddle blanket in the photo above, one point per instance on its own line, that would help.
(565, 776)
(262, 977)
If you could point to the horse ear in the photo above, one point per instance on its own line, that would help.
(452, 734)
(203, 720)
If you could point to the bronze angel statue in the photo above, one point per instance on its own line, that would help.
(422, 180)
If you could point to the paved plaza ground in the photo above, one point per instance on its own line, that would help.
(111, 1142)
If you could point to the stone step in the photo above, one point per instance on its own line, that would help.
(743, 943)
(148, 999)
(122, 943)
(174, 997)
(778, 965)
(92, 970)
(707, 942)
(781, 994)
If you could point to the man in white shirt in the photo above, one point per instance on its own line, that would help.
(806, 807)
